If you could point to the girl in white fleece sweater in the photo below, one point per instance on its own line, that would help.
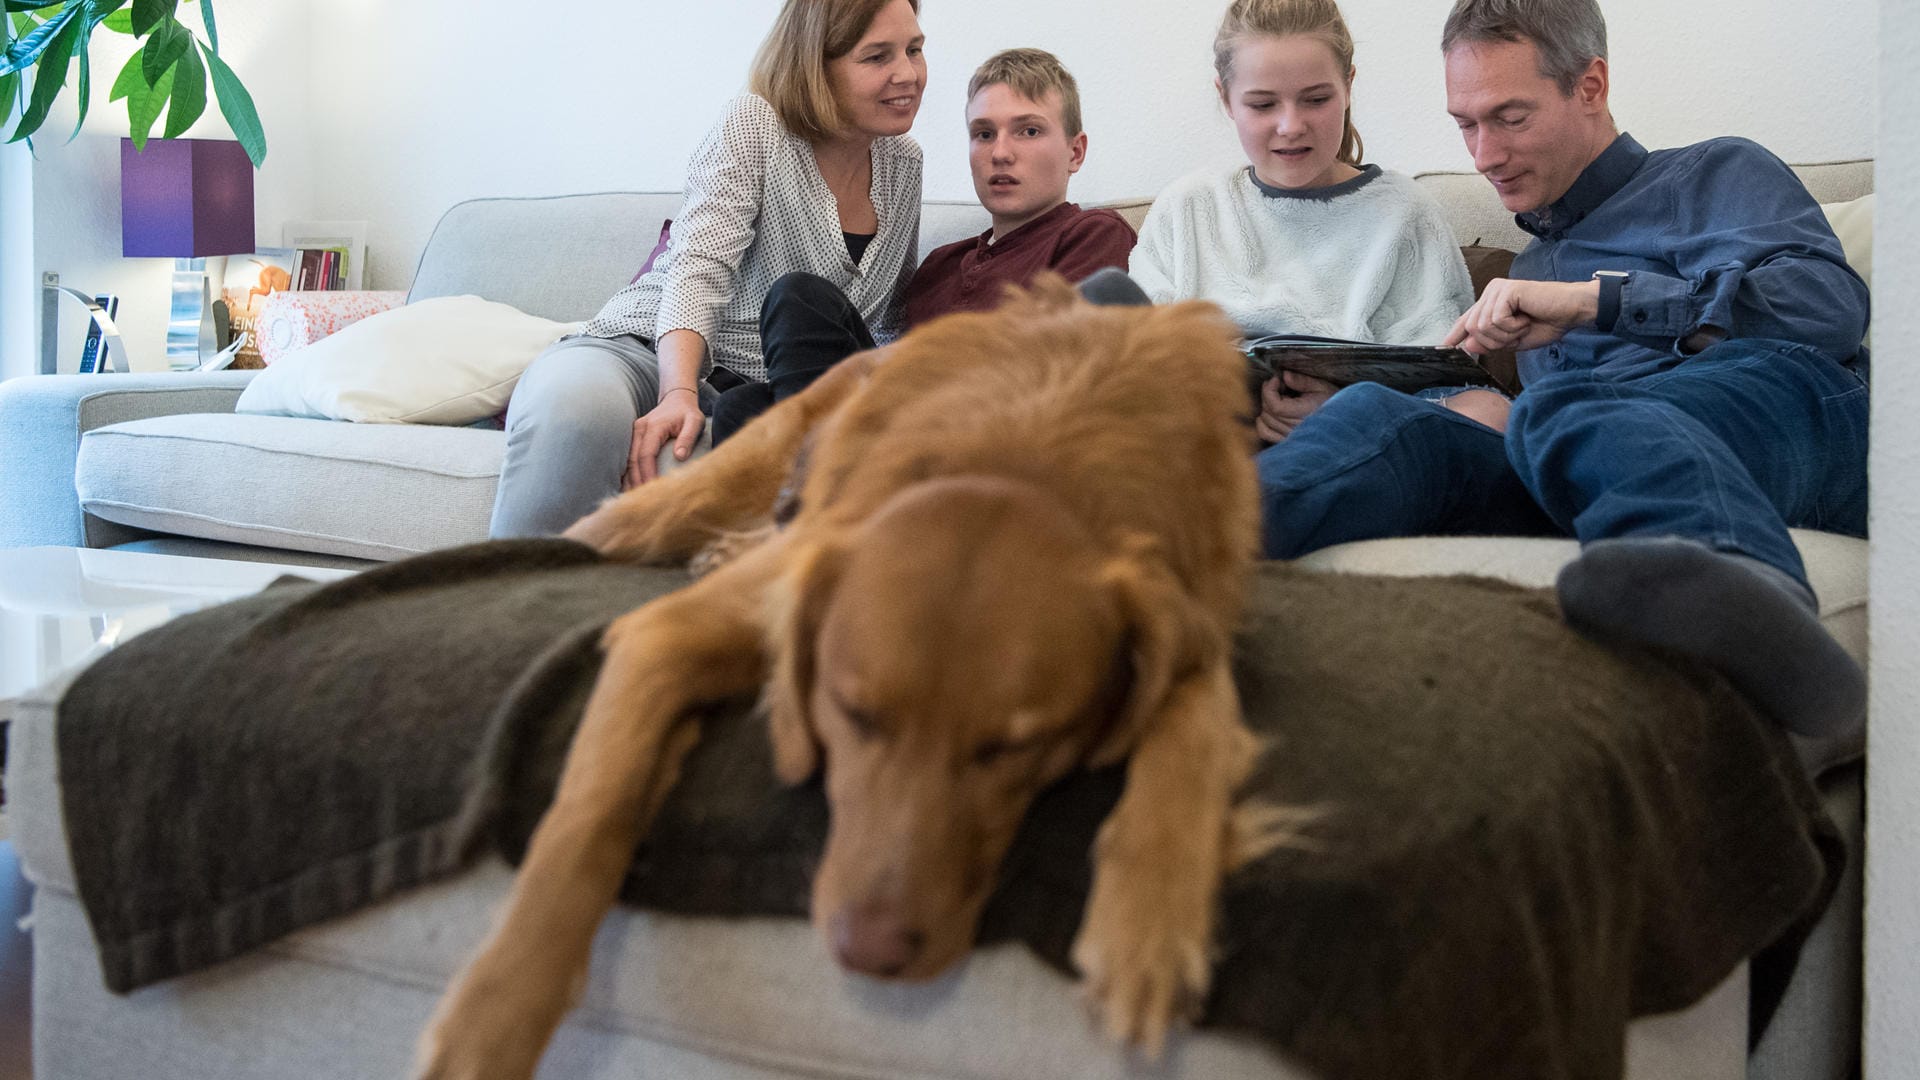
(1305, 239)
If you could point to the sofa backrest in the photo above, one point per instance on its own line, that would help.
(1478, 218)
(561, 257)
(558, 257)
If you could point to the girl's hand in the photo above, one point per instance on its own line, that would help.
(676, 417)
(1285, 400)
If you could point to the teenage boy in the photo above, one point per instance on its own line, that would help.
(1024, 131)
(1025, 143)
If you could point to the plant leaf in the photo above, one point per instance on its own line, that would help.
(143, 107)
(32, 5)
(48, 77)
(9, 88)
(189, 98)
(120, 22)
(148, 14)
(237, 106)
(85, 90)
(130, 80)
(213, 31)
(164, 46)
(23, 53)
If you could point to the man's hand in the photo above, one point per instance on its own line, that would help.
(1285, 400)
(1524, 314)
(676, 417)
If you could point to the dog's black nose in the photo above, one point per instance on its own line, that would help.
(873, 940)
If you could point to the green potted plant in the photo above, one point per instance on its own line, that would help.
(167, 73)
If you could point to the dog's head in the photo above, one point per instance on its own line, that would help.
(943, 662)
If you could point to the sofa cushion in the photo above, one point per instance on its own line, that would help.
(659, 249)
(446, 360)
(369, 492)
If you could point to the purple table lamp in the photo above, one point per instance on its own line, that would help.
(186, 200)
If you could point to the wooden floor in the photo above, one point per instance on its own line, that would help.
(16, 972)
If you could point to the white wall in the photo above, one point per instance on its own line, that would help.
(1893, 752)
(19, 293)
(421, 104)
(76, 188)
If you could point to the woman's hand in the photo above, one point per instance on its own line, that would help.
(678, 418)
(1285, 400)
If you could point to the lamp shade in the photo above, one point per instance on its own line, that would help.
(185, 199)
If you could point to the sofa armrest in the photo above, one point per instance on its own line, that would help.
(42, 418)
(293, 320)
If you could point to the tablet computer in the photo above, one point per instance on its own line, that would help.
(1408, 368)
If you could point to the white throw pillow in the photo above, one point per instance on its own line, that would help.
(1852, 222)
(448, 360)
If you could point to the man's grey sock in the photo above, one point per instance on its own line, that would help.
(1748, 620)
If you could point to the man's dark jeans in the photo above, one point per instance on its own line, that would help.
(1729, 447)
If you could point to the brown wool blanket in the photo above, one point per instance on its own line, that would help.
(1527, 838)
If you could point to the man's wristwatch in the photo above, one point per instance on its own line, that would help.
(1611, 282)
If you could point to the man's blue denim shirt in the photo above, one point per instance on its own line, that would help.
(1720, 233)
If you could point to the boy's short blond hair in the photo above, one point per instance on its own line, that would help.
(1031, 73)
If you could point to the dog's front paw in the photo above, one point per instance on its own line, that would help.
(1142, 969)
(484, 1031)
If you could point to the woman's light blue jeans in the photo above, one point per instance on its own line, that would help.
(569, 430)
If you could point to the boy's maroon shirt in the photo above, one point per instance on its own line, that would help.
(971, 275)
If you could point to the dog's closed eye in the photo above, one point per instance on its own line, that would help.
(866, 723)
(994, 750)
(1020, 743)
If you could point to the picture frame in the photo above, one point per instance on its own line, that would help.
(348, 238)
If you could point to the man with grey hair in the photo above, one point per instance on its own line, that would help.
(1690, 345)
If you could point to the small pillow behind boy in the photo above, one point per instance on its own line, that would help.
(1023, 126)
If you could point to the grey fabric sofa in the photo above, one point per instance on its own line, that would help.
(152, 460)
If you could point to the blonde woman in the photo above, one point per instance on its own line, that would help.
(811, 170)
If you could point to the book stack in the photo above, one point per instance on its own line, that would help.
(319, 269)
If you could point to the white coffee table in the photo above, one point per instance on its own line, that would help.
(63, 606)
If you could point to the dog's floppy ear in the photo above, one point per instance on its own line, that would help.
(1169, 637)
(799, 602)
